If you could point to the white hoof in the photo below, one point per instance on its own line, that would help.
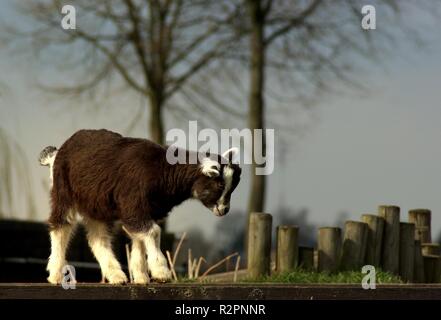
(55, 278)
(161, 274)
(141, 278)
(116, 277)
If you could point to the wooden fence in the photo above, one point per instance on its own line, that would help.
(401, 248)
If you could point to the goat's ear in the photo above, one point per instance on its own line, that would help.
(210, 168)
(230, 154)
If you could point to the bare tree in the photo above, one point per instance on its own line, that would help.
(303, 47)
(155, 46)
(259, 13)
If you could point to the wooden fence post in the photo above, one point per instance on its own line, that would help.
(407, 251)
(354, 245)
(422, 220)
(259, 244)
(432, 268)
(306, 258)
(391, 238)
(315, 259)
(329, 249)
(287, 248)
(375, 238)
(430, 249)
(418, 274)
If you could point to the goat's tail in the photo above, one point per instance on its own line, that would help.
(47, 156)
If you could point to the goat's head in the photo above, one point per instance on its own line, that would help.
(217, 181)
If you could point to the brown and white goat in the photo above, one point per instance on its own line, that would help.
(105, 177)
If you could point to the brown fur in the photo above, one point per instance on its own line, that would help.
(105, 176)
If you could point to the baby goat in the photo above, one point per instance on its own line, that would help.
(105, 177)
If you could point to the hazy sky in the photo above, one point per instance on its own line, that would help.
(377, 147)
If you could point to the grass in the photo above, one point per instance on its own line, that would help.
(302, 276)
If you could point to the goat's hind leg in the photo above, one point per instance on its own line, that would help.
(60, 236)
(100, 242)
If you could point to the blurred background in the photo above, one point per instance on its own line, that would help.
(356, 112)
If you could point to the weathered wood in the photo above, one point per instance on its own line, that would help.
(354, 245)
(316, 259)
(374, 239)
(422, 220)
(329, 249)
(259, 244)
(432, 268)
(252, 291)
(306, 258)
(391, 238)
(407, 251)
(287, 250)
(418, 274)
(430, 249)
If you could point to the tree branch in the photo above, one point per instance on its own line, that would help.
(112, 57)
(209, 56)
(183, 54)
(137, 42)
(294, 22)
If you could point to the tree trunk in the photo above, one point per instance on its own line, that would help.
(256, 101)
(156, 126)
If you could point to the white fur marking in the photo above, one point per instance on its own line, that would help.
(228, 178)
(155, 259)
(49, 161)
(138, 262)
(71, 217)
(59, 241)
(210, 167)
(101, 245)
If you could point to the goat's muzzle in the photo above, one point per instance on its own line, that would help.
(221, 210)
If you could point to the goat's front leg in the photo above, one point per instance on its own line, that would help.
(155, 259)
(100, 242)
(138, 262)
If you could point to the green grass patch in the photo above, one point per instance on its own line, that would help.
(186, 280)
(303, 276)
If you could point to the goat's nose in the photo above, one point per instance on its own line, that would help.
(226, 210)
